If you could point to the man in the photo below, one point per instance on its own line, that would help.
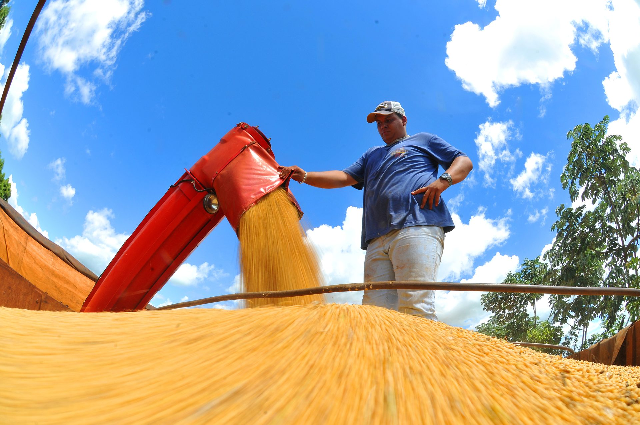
(403, 239)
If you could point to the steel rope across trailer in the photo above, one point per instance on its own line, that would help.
(437, 286)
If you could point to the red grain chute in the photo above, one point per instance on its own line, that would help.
(225, 182)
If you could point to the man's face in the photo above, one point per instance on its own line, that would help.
(391, 127)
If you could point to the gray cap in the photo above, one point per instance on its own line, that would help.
(385, 108)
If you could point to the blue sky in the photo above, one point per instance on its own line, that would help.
(113, 99)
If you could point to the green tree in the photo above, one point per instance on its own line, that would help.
(5, 187)
(4, 12)
(510, 309)
(511, 319)
(597, 246)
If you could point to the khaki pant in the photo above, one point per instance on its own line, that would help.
(412, 253)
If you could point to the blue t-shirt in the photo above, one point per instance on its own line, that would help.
(390, 173)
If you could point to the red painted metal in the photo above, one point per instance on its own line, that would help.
(240, 169)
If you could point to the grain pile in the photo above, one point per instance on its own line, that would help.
(274, 254)
(315, 364)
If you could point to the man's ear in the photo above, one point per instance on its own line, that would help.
(404, 120)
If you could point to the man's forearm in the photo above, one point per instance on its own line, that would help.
(329, 179)
(323, 179)
(460, 169)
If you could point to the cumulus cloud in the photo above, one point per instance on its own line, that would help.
(191, 275)
(59, 172)
(160, 300)
(622, 87)
(13, 126)
(628, 126)
(58, 169)
(469, 241)
(492, 143)
(73, 34)
(5, 32)
(32, 218)
(464, 309)
(341, 259)
(98, 243)
(533, 174)
(68, 192)
(525, 44)
(537, 215)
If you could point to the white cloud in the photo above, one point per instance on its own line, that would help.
(492, 143)
(13, 126)
(67, 192)
(83, 89)
(628, 126)
(236, 286)
(31, 218)
(19, 139)
(534, 173)
(58, 169)
(98, 243)
(190, 274)
(482, 3)
(469, 241)
(159, 300)
(537, 215)
(495, 270)
(529, 42)
(464, 309)
(623, 85)
(73, 34)
(5, 32)
(341, 259)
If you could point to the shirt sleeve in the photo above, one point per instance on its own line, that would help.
(442, 152)
(356, 170)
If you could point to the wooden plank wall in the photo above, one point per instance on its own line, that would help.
(623, 349)
(40, 266)
(18, 292)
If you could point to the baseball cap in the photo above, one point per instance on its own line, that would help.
(385, 108)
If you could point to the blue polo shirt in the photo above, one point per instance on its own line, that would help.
(388, 174)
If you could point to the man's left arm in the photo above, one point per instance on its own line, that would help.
(459, 170)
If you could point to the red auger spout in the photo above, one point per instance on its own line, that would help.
(225, 182)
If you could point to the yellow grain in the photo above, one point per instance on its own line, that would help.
(274, 254)
(314, 364)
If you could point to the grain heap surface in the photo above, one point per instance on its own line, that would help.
(274, 254)
(315, 364)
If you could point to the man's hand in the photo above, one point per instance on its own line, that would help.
(432, 192)
(296, 172)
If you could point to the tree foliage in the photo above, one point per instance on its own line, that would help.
(5, 186)
(4, 12)
(511, 319)
(510, 309)
(596, 245)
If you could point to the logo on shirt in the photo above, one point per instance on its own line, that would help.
(399, 153)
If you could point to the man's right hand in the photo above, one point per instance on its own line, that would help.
(296, 173)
